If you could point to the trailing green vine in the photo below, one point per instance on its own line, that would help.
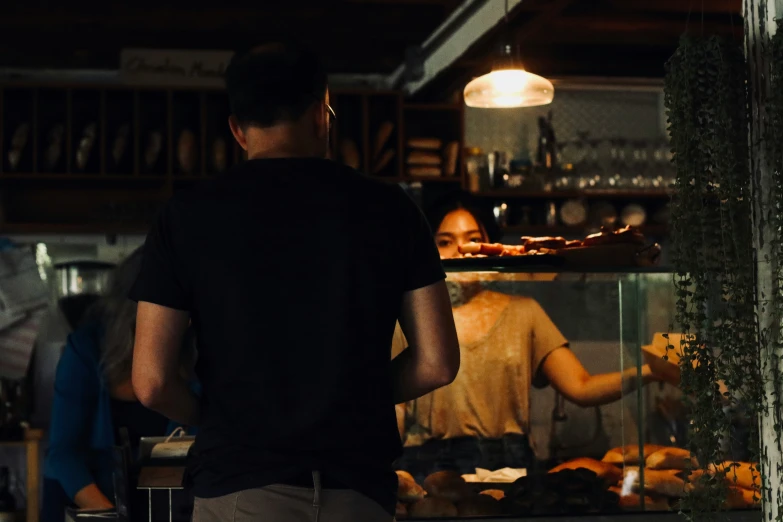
(712, 251)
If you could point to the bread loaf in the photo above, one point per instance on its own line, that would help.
(425, 143)
(740, 474)
(425, 172)
(407, 489)
(741, 498)
(424, 158)
(384, 132)
(446, 484)
(433, 508)
(609, 473)
(451, 157)
(383, 161)
(630, 454)
(671, 458)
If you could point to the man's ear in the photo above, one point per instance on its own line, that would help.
(321, 120)
(237, 131)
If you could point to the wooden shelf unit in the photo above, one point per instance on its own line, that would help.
(53, 186)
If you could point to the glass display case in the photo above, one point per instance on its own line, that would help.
(555, 411)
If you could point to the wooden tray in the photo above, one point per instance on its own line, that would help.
(619, 255)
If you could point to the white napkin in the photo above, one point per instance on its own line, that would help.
(21, 287)
(499, 475)
(17, 343)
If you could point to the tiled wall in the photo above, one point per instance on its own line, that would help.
(603, 114)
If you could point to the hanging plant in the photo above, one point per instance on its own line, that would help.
(712, 252)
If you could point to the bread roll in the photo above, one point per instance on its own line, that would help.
(451, 157)
(491, 249)
(401, 511)
(383, 161)
(607, 237)
(446, 484)
(609, 473)
(740, 474)
(424, 158)
(671, 458)
(425, 143)
(479, 506)
(536, 243)
(407, 489)
(384, 131)
(425, 172)
(433, 508)
(497, 494)
(629, 454)
(186, 151)
(741, 498)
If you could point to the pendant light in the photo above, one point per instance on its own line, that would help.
(509, 85)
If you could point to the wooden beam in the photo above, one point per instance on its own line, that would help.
(680, 6)
(632, 31)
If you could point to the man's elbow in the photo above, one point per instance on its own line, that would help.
(149, 391)
(448, 370)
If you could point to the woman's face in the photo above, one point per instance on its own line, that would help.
(457, 228)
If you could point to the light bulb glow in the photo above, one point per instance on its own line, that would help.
(508, 88)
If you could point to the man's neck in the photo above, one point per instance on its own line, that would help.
(276, 142)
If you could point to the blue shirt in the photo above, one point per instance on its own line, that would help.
(81, 433)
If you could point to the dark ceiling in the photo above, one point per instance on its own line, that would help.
(355, 36)
(556, 37)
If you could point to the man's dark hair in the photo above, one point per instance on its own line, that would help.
(273, 83)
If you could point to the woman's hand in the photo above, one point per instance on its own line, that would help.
(90, 497)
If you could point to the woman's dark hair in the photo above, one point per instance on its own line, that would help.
(273, 83)
(117, 313)
(462, 201)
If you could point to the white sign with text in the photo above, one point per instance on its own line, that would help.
(171, 67)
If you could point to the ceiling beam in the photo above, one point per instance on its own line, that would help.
(630, 31)
(680, 6)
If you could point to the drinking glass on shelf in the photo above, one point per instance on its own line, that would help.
(639, 165)
(660, 165)
(617, 163)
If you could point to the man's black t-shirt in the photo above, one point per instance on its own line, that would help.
(293, 271)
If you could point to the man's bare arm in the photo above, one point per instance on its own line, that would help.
(432, 358)
(157, 380)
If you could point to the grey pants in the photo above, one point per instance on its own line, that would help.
(281, 503)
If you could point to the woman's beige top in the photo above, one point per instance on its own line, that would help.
(490, 396)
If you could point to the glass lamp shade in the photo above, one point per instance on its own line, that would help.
(508, 88)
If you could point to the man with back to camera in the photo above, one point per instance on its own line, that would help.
(294, 308)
